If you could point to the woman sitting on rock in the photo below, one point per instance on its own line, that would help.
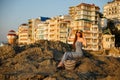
(79, 40)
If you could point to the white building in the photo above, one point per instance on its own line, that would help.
(23, 36)
(108, 41)
(42, 31)
(112, 10)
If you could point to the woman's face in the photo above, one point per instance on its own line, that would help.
(78, 34)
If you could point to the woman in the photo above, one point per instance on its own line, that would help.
(79, 40)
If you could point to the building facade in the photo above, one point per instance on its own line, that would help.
(58, 28)
(23, 37)
(42, 31)
(85, 17)
(11, 36)
(64, 28)
(85, 11)
(92, 34)
(32, 27)
(112, 10)
(108, 41)
(53, 29)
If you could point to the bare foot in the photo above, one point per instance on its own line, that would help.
(60, 64)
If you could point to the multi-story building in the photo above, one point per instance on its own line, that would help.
(86, 18)
(23, 34)
(42, 31)
(64, 27)
(85, 11)
(92, 34)
(53, 29)
(112, 10)
(108, 41)
(58, 28)
(103, 22)
(32, 25)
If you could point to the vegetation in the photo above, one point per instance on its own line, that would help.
(112, 29)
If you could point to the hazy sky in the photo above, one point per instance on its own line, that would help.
(15, 12)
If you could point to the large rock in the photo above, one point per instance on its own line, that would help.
(39, 61)
(47, 67)
(6, 52)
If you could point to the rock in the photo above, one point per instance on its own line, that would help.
(25, 76)
(6, 52)
(71, 75)
(57, 55)
(38, 77)
(39, 61)
(47, 66)
(49, 78)
(29, 55)
(48, 54)
(85, 66)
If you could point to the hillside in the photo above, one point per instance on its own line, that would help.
(38, 62)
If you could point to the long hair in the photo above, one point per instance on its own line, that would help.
(75, 39)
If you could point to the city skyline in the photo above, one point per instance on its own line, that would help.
(14, 12)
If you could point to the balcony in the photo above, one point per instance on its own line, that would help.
(88, 36)
(45, 28)
(95, 43)
(95, 49)
(88, 48)
(52, 33)
(93, 31)
(45, 32)
(87, 31)
(52, 27)
(95, 37)
(89, 42)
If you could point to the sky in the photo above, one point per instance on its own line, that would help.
(13, 13)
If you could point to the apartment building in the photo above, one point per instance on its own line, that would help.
(92, 34)
(112, 10)
(64, 27)
(32, 25)
(23, 37)
(42, 31)
(103, 22)
(108, 41)
(85, 17)
(53, 29)
(85, 11)
(58, 28)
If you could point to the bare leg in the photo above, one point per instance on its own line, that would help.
(60, 64)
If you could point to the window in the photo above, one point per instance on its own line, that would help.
(87, 28)
(107, 39)
(112, 39)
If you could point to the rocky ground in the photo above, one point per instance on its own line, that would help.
(38, 62)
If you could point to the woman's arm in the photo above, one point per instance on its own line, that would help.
(84, 40)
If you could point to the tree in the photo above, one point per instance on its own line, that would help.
(111, 25)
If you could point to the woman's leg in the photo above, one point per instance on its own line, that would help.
(65, 57)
